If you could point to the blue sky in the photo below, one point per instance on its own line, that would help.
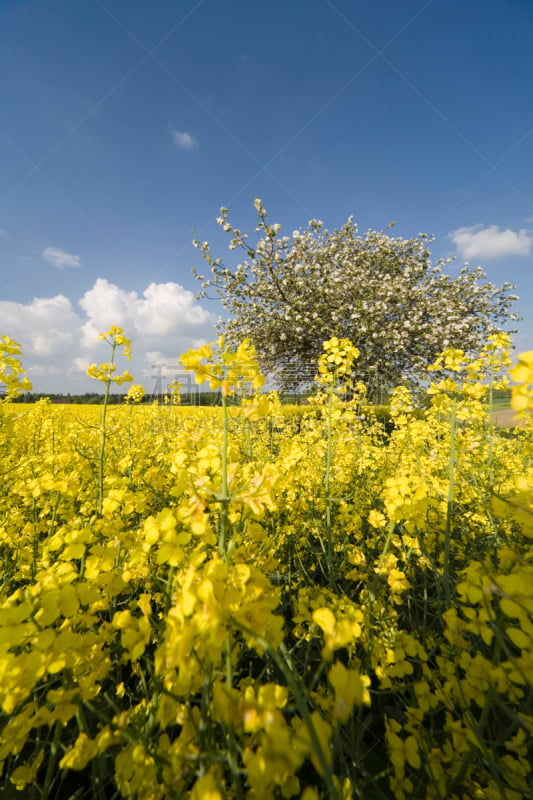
(126, 124)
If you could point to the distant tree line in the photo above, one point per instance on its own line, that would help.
(186, 399)
(199, 398)
(94, 398)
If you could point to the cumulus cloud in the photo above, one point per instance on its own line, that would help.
(163, 314)
(80, 364)
(184, 140)
(59, 258)
(478, 242)
(59, 341)
(46, 326)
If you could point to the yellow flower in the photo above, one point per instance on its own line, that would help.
(225, 369)
(337, 361)
(350, 688)
(522, 374)
(208, 787)
(338, 632)
(78, 756)
(116, 337)
(402, 751)
(377, 519)
(12, 375)
(397, 581)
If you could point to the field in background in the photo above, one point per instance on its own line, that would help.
(501, 403)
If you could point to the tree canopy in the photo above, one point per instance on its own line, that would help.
(291, 293)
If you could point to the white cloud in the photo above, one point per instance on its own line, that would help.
(46, 326)
(60, 342)
(80, 364)
(162, 315)
(478, 242)
(3, 233)
(184, 140)
(59, 258)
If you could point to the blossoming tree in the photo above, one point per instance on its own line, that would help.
(290, 293)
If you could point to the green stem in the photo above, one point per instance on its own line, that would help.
(327, 485)
(233, 750)
(98, 775)
(224, 496)
(294, 682)
(478, 731)
(52, 763)
(101, 457)
(372, 587)
(168, 589)
(451, 489)
(490, 457)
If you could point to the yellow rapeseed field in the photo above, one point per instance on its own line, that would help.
(255, 601)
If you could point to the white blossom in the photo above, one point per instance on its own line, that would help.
(383, 293)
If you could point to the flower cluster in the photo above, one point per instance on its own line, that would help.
(106, 373)
(337, 362)
(522, 373)
(224, 368)
(265, 602)
(12, 374)
(135, 393)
